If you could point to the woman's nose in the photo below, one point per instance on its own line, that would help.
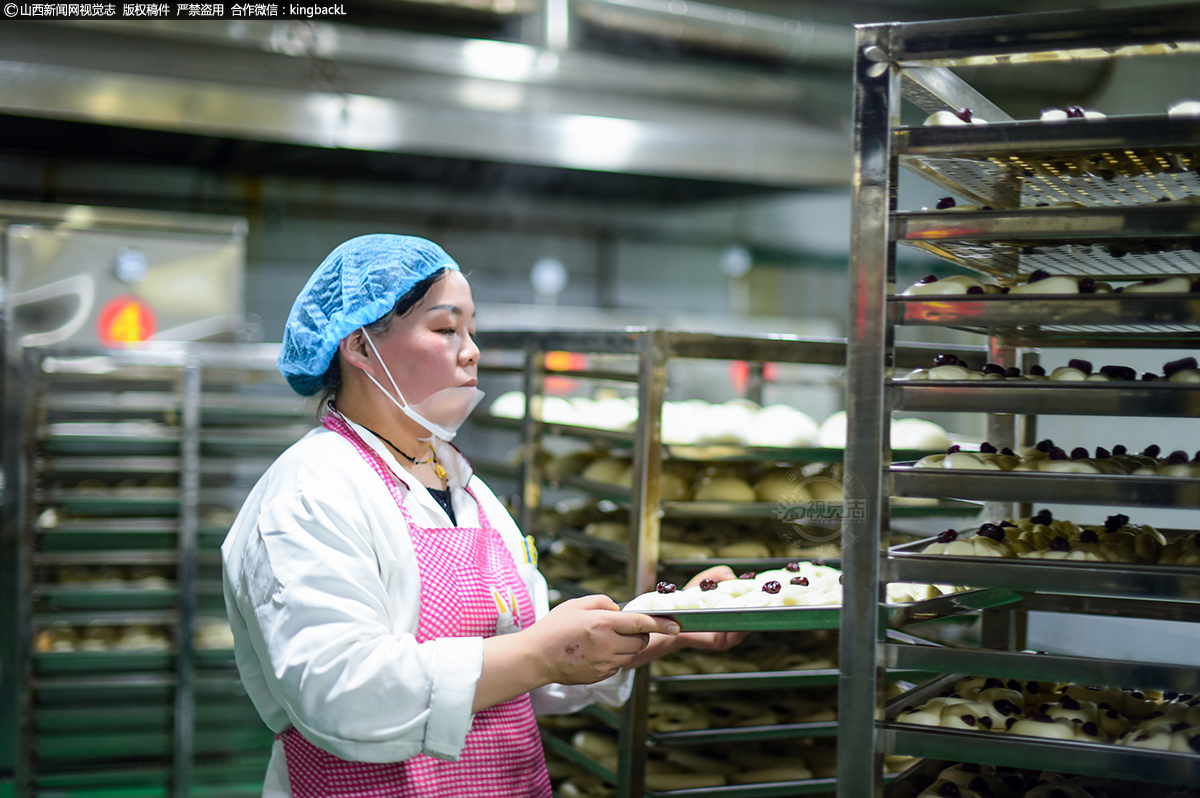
(470, 352)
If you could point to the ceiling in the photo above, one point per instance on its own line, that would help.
(604, 99)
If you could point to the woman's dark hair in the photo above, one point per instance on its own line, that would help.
(331, 381)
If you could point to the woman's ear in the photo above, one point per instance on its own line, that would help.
(355, 350)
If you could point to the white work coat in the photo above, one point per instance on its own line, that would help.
(324, 597)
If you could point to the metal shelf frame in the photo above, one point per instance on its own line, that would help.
(176, 425)
(1118, 170)
(650, 351)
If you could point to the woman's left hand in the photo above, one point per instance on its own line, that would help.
(709, 641)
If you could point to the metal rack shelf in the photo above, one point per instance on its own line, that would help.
(1147, 320)
(1122, 198)
(125, 451)
(1119, 161)
(1160, 583)
(763, 680)
(1040, 667)
(779, 731)
(778, 789)
(1094, 759)
(1157, 398)
(1096, 489)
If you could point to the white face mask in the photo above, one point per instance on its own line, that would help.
(441, 413)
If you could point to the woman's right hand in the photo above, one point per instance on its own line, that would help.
(581, 641)
(588, 639)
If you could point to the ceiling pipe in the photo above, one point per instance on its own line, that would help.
(798, 41)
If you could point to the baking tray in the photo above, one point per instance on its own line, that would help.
(1159, 398)
(1119, 161)
(766, 619)
(778, 731)
(764, 680)
(776, 789)
(255, 439)
(1130, 320)
(98, 534)
(771, 510)
(116, 438)
(1169, 583)
(779, 789)
(112, 501)
(92, 662)
(697, 452)
(55, 597)
(1044, 667)
(1032, 486)
(1036, 753)
(576, 757)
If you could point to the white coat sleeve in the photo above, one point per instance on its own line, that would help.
(551, 699)
(347, 670)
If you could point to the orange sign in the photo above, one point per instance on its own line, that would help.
(125, 321)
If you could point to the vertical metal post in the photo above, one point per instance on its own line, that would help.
(189, 525)
(860, 675)
(645, 512)
(1001, 427)
(756, 381)
(23, 385)
(531, 437)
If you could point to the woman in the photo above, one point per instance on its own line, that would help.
(382, 600)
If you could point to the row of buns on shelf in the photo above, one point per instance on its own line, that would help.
(951, 367)
(1045, 456)
(1042, 282)
(970, 780)
(1042, 536)
(1185, 108)
(141, 577)
(1156, 720)
(738, 422)
(680, 767)
(61, 637)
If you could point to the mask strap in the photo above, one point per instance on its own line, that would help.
(386, 371)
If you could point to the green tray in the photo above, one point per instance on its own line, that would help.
(87, 662)
(57, 597)
(778, 619)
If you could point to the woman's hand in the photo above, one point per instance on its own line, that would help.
(581, 641)
(588, 639)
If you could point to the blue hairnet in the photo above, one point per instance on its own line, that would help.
(358, 283)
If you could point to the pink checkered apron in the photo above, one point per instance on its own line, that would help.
(502, 756)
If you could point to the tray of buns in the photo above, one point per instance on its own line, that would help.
(1062, 398)
(998, 312)
(109, 438)
(756, 769)
(1095, 256)
(1099, 163)
(1046, 723)
(929, 776)
(764, 619)
(1043, 554)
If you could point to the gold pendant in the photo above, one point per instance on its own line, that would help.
(441, 472)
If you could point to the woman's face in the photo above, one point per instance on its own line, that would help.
(432, 347)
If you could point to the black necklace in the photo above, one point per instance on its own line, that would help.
(437, 467)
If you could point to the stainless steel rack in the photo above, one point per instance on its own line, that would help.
(646, 354)
(1122, 197)
(138, 459)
